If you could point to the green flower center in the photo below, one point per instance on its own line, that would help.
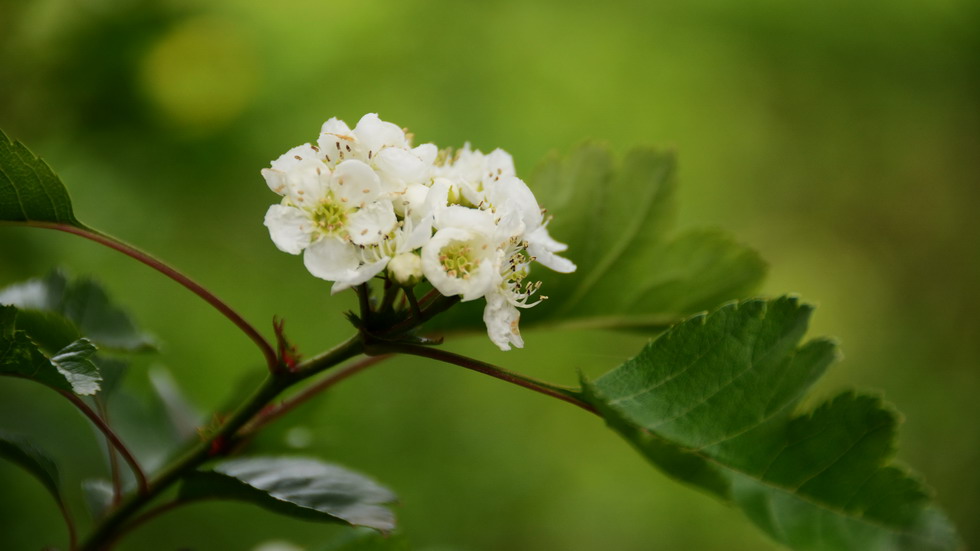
(457, 259)
(330, 217)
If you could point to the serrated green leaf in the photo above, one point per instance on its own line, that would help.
(712, 403)
(29, 190)
(75, 364)
(632, 273)
(19, 450)
(81, 302)
(69, 369)
(298, 487)
(50, 330)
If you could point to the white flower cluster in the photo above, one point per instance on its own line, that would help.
(363, 202)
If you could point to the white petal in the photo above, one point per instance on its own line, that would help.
(513, 194)
(457, 216)
(542, 247)
(289, 228)
(359, 275)
(335, 126)
(276, 176)
(294, 156)
(411, 203)
(373, 134)
(470, 192)
(306, 183)
(550, 260)
(437, 198)
(335, 137)
(502, 320)
(275, 179)
(541, 236)
(400, 166)
(500, 164)
(478, 281)
(371, 224)
(355, 183)
(331, 259)
(419, 236)
(427, 152)
(509, 225)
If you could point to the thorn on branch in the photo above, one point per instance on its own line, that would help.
(287, 356)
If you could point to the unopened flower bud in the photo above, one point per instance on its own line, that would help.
(406, 269)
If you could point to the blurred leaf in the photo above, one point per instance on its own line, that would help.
(29, 190)
(69, 369)
(84, 303)
(184, 418)
(98, 496)
(631, 274)
(298, 487)
(711, 402)
(19, 450)
(359, 539)
(113, 371)
(50, 330)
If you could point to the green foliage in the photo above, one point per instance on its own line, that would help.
(70, 369)
(29, 190)
(19, 450)
(58, 310)
(712, 402)
(632, 272)
(298, 487)
(98, 496)
(359, 539)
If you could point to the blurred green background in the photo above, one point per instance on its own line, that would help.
(840, 138)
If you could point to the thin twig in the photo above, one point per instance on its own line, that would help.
(410, 295)
(364, 301)
(144, 518)
(70, 523)
(388, 300)
(172, 273)
(114, 472)
(111, 436)
(216, 443)
(566, 394)
(274, 413)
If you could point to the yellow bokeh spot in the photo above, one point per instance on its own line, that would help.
(201, 75)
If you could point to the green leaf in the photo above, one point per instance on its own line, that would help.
(29, 190)
(84, 309)
(632, 272)
(712, 402)
(19, 450)
(359, 539)
(69, 369)
(298, 487)
(98, 494)
(74, 363)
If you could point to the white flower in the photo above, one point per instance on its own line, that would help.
(469, 172)
(507, 294)
(502, 319)
(459, 261)
(364, 202)
(382, 145)
(329, 215)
